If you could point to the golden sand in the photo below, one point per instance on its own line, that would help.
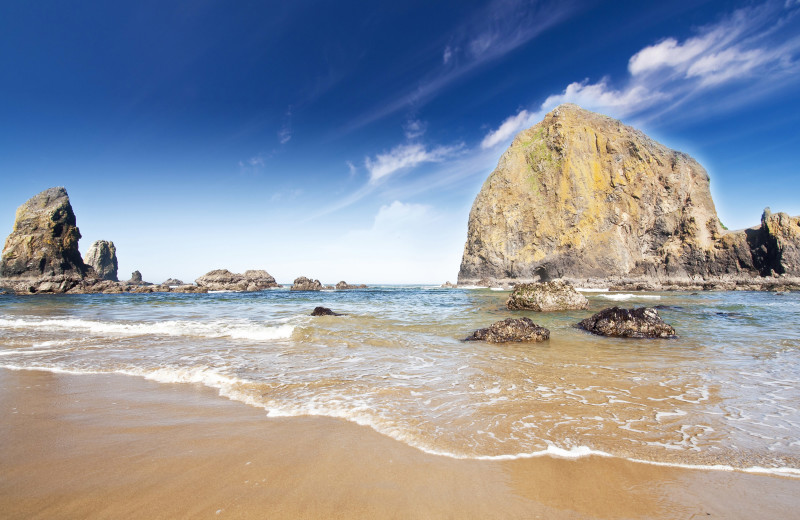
(109, 446)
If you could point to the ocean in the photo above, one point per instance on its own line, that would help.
(724, 395)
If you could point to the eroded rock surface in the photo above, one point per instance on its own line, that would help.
(511, 330)
(546, 296)
(224, 280)
(641, 322)
(102, 257)
(306, 284)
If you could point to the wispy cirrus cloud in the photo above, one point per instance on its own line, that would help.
(501, 27)
(406, 156)
(740, 58)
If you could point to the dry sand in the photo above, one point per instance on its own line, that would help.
(107, 446)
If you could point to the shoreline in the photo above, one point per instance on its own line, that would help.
(146, 449)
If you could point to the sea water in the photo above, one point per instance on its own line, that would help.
(725, 394)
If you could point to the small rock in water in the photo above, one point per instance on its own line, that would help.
(323, 311)
(643, 322)
(511, 329)
(546, 296)
(306, 284)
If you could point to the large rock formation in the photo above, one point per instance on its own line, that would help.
(44, 242)
(224, 280)
(102, 257)
(306, 284)
(583, 197)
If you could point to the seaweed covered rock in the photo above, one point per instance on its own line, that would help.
(642, 322)
(323, 311)
(511, 330)
(546, 296)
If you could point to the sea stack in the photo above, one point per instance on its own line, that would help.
(44, 243)
(102, 257)
(581, 196)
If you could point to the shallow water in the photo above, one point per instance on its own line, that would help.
(726, 393)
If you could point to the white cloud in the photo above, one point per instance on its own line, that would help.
(448, 55)
(405, 156)
(351, 167)
(284, 135)
(414, 129)
(749, 51)
(509, 128)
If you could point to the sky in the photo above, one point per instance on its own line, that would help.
(347, 140)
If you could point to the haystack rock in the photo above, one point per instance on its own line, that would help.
(44, 242)
(224, 280)
(102, 257)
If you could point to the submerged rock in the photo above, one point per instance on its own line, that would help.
(323, 311)
(224, 280)
(546, 296)
(641, 322)
(102, 257)
(306, 284)
(511, 330)
(44, 241)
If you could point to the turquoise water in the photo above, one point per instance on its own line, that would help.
(726, 393)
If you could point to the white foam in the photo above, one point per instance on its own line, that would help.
(626, 296)
(209, 329)
(28, 352)
(590, 289)
(498, 289)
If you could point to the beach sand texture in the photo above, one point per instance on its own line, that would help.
(111, 446)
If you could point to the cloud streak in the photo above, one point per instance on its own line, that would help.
(752, 49)
(405, 156)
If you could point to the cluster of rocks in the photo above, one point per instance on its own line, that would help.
(41, 256)
(583, 197)
(307, 284)
(559, 296)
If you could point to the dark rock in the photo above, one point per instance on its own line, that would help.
(306, 284)
(511, 330)
(546, 296)
(136, 278)
(172, 281)
(102, 257)
(642, 322)
(323, 311)
(345, 286)
(44, 241)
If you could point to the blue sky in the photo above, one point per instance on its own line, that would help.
(347, 140)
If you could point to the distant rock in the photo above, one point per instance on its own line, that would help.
(448, 285)
(323, 311)
(136, 277)
(511, 330)
(44, 242)
(172, 281)
(224, 280)
(546, 296)
(341, 286)
(102, 257)
(306, 284)
(642, 322)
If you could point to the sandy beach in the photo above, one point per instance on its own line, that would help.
(110, 446)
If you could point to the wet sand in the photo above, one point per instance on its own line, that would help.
(110, 446)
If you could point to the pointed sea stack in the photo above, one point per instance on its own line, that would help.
(102, 257)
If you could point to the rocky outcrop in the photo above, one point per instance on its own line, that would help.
(172, 281)
(580, 196)
(323, 311)
(102, 257)
(546, 296)
(224, 280)
(341, 286)
(136, 278)
(44, 242)
(306, 284)
(448, 285)
(511, 330)
(643, 322)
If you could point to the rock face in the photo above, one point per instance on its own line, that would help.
(306, 284)
(44, 242)
(546, 296)
(136, 277)
(628, 323)
(102, 257)
(511, 329)
(224, 280)
(583, 197)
